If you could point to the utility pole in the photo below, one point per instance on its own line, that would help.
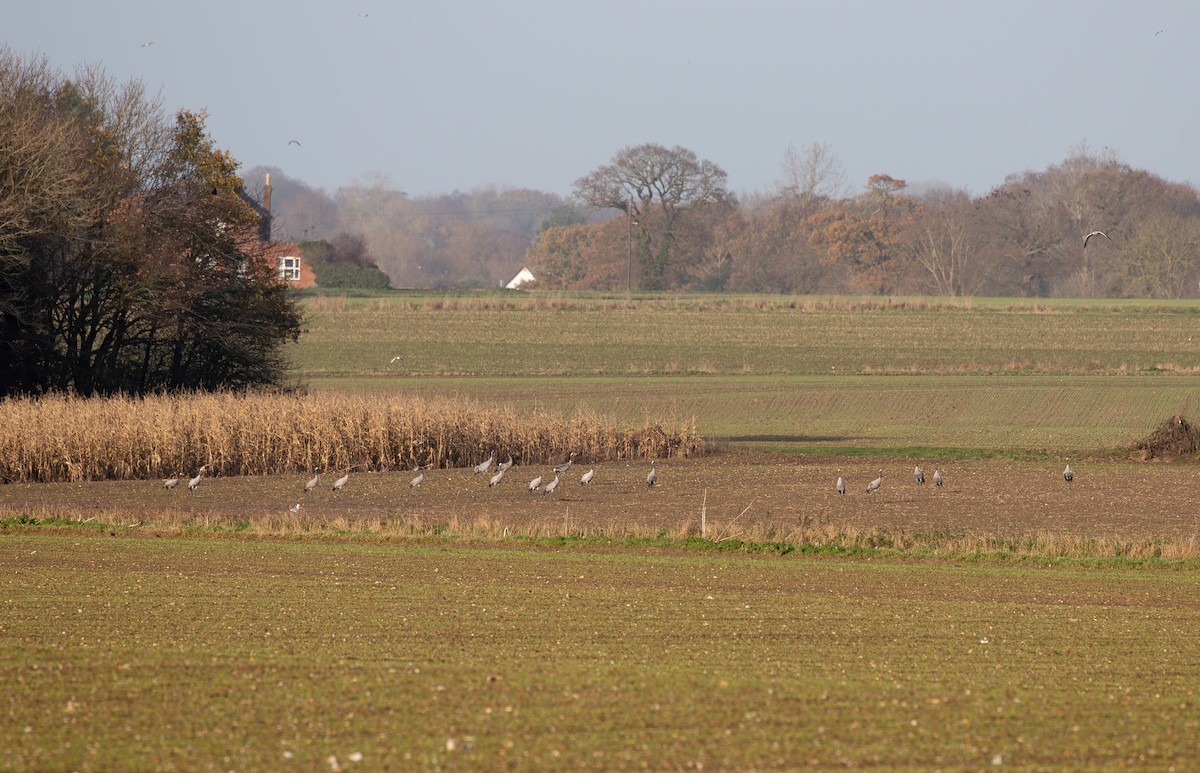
(629, 264)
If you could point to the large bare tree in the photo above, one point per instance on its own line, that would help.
(657, 187)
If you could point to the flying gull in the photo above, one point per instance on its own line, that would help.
(1095, 233)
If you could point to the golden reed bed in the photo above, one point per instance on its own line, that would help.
(119, 438)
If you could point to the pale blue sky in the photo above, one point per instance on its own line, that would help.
(439, 96)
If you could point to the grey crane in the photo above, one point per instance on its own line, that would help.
(938, 480)
(485, 464)
(841, 484)
(535, 484)
(565, 465)
(652, 478)
(1068, 474)
(340, 483)
(504, 466)
(313, 481)
(919, 474)
(495, 480)
(1094, 233)
(549, 489)
(587, 477)
(874, 485)
(417, 481)
(172, 482)
(194, 483)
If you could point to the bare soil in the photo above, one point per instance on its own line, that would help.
(738, 493)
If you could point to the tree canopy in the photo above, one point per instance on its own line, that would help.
(129, 253)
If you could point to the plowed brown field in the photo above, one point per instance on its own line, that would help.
(742, 493)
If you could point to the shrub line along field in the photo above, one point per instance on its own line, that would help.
(443, 627)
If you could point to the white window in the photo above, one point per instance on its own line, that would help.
(289, 269)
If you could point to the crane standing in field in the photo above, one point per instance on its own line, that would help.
(874, 485)
(485, 464)
(495, 479)
(535, 484)
(417, 481)
(565, 465)
(841, 484)
(587, 477)
(652, 478)
(341, 482)
(194, 483)
(937, 476)
(504, 466)
(1068, 474)
(171, 482)
(312, 483)
(919, 475)
(549, 489)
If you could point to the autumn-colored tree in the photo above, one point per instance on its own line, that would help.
(558, 256)
(865, 235)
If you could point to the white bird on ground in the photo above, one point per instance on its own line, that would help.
(504, 466)
(535, 484)
(874, 485)
(587, 476)
(194, 483)
(171, 483)
(652, 478)
(485, 464)
(495, 480)
(1094, 233)
(340, 483)
(1068, 474)
(417, 481)
(565, 465)
(294, 508)
(919, 474)
(841, 484)
(938, 480)
(312, 483)
(551, 486)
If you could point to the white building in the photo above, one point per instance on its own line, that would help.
(523, 276)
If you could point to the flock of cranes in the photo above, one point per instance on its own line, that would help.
(534, 486)
(919, 476)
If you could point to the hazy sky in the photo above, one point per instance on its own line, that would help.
(442, 96)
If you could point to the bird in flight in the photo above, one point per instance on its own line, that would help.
(364, 14)
(147, 44)
(295, 142)
(397, 357)
(1094, 233)
(1159, 32)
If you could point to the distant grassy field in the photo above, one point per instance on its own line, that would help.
(201, 654)
(815, 374)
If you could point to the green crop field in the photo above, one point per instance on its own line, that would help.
(199, 654)
(819, 374)
(738, 615)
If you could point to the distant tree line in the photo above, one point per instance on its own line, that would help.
(661, 218)
(129, 254)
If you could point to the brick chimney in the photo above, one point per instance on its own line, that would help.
(264, 228)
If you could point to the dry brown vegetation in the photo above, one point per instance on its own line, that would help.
(120, 438)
